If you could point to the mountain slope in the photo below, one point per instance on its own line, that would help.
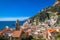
(47, 12)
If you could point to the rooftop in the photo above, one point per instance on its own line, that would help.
(16, 33)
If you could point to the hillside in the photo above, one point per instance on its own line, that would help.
(47, 12)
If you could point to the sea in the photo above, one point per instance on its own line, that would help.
(11, 24)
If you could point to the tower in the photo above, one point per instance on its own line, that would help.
(17, 25)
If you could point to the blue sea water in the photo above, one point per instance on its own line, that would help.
(11, 24)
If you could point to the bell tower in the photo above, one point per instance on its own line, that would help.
(17, 25)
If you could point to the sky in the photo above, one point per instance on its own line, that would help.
(13, 9)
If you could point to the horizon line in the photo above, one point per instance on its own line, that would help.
(14, 18)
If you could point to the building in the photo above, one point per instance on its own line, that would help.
(1, 32)
(16, 35)
(17, 25)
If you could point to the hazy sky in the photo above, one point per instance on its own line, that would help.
(22, 8)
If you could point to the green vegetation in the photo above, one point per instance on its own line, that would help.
(47, 13)
(2, 38)
(31, 38)
(57, 37)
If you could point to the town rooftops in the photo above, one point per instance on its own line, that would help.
(51, 30)
(1, 32)
(16, 33)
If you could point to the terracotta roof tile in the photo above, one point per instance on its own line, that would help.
(1, 32)
(16, 33)
(51, 30)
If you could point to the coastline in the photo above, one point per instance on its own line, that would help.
(11, 24)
